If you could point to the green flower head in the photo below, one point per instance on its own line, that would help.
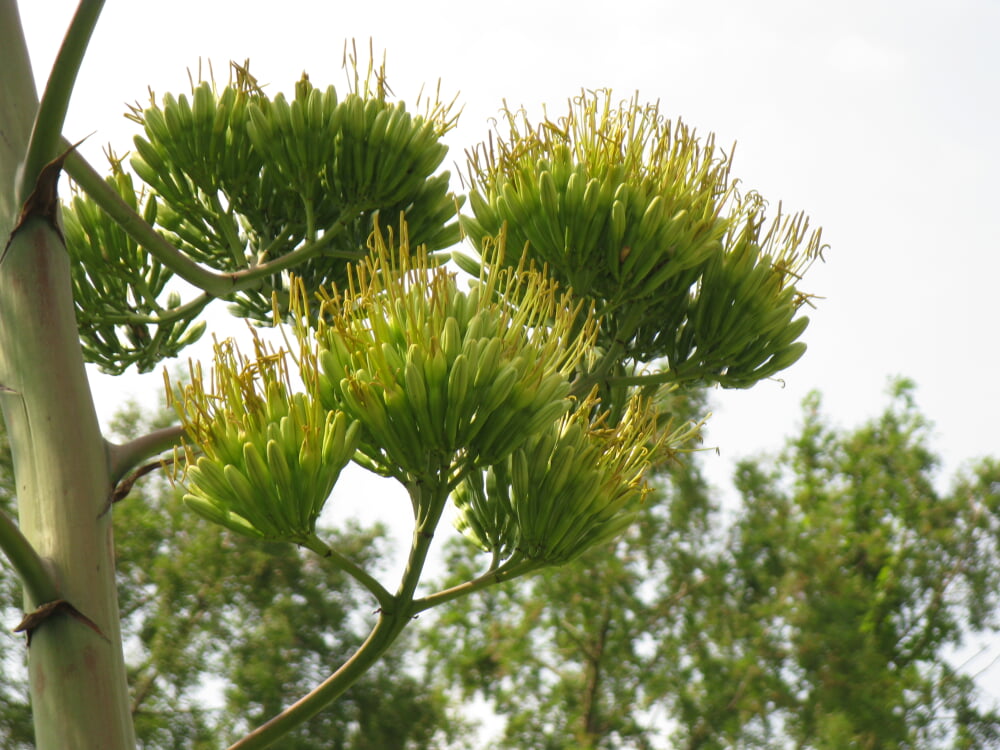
(568, 488)
(638, 215)
(444, 379)
(261, 459)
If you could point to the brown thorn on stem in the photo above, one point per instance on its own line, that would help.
(33, 620)
(43, 202)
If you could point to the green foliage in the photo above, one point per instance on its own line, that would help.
(822, 618)
(859, 574)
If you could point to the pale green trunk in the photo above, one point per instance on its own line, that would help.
(78, 688)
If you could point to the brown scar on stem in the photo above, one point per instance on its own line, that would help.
(33, 620)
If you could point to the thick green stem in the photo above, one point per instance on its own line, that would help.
(429, 501)
(79, 693)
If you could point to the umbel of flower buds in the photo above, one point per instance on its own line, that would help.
(639, 217)
(260, 459)
(568, 488)
(444, 380)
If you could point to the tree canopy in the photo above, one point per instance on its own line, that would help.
(823, 616)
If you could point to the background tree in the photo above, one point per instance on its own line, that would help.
(822, 618)
(529, 395)
(853, 575)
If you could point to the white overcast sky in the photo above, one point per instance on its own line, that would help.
(878, 118)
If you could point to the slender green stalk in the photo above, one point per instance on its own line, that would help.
(660, 378)
(430, 501)
(189, 309)
(247, 278)
(355, 571)
(585, 381)
(490, 578)
(386, 630)
(47, 131)
(37, 579)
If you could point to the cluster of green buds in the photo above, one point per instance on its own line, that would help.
(243, 188)
(570, 487)
(443, 380)
(259, 459)
(638, 215)
(125, 315)
(244, 179)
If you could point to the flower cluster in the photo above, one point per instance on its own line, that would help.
(260, 459)
(444, 379)
(568, 488)
(639, 216)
